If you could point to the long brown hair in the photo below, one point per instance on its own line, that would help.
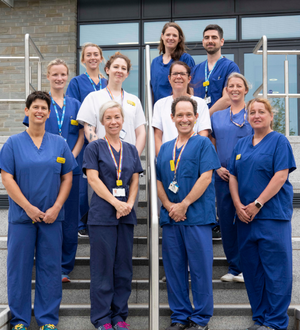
(180, 48)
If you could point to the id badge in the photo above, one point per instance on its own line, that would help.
(122, 134)
(118, 192)
(207, 100)
(174, 187)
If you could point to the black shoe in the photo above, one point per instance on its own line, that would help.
(216, 232)
(254, 327)
(83, 233)
(195, 326)
(176, 326)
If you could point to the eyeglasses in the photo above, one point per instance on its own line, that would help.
(181, 74)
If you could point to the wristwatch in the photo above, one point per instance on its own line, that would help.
(258, 204)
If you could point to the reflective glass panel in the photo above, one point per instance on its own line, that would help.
(152, 32)
(253, 73)
(272, 27)
(131, 84)
(110, 34)
(193, 29)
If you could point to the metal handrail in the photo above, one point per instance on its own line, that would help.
(27, 58)
(264, 86)
(151, 191)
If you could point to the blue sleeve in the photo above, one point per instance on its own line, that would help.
(70, 163)
(212, 126)
(190, 61)
(232, 68)
(284, 158)
(26, 121)
(90, 157)
(7, 158)
(209, 159)
(78, 105)
(104, 82)
(73, 89)
(158, 164)
(137, 162)
(232, 167)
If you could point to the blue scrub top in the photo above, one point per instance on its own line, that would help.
(80, 87)
(36, 171)
(159, 75)
(217, 80)
(97, 157)
(255, 167)
(227, 134)
(70, 127)
(199, 156)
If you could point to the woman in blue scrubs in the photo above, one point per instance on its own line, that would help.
(112, 167)
(228, 126)
(263, 199)
(172, 48)
(79, 87)
(36, 169)
(62, 121)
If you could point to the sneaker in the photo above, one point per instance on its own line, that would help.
(227, 277)
(83, 233)
(106, 326)
(48, 327)
(121, 325)
(216, 232)
(19, 327)
(195, 326)
(176, 326)
(264, 327)
(65, 278)
(254, 327)
(240, 279)
(164, 279)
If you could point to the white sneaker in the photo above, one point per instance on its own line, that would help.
(239, 278)
(227, 277)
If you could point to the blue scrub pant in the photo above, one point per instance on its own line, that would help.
(111, 272)
(70, 228)
(226, 214)
(266, 260)
(183, 246)
(83, 190)
(46, 240)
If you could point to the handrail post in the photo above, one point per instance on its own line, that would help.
(286, 91)
(39, 73)
(265, 67)
(27, 73)
(152, 205)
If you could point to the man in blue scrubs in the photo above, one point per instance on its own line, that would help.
(185, 186)
(209, 77)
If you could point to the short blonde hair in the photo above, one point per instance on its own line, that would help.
(57, 61)
(109, 105)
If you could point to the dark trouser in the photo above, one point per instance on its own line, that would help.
(111, 272)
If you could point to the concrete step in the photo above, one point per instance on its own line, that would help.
(140, 268)
(78, 292)
(139, 247)
(233, 317)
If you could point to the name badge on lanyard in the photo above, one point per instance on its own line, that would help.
(174, 187)
(206, 83)
(118, 192)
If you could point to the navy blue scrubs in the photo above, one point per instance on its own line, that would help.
(189, 242)
(227, 135)
(38, 175)
(217, 80)
(265, 243)
(70, 131)
(78, 88)
(159, 75)
(111, 239)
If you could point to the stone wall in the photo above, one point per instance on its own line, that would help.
(52, 24)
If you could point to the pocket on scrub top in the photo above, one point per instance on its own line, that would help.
(189, 168)
(58, 161)
(265, 162)
(73, 126)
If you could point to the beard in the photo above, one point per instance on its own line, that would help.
(212, 51)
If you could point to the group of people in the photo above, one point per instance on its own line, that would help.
(80, 157)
